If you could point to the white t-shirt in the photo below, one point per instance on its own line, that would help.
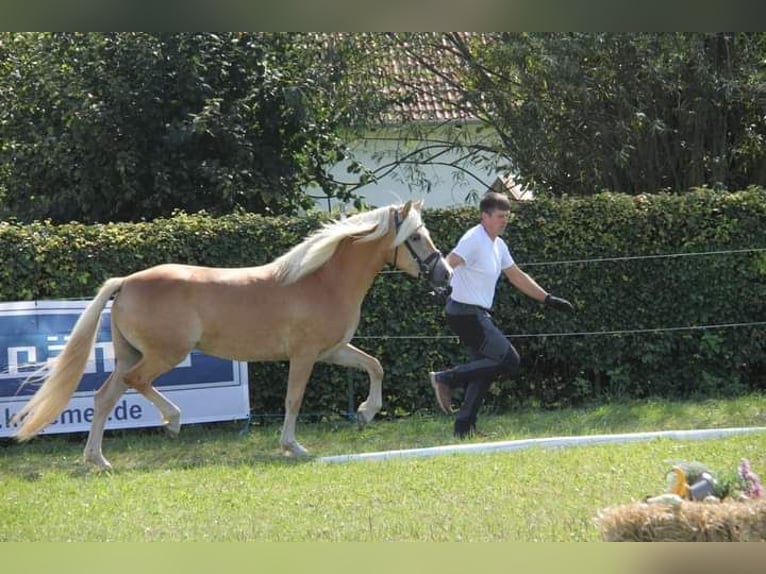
(474, 282)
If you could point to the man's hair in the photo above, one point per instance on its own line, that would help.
(492, 201)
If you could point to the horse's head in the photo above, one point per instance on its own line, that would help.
(422, 258)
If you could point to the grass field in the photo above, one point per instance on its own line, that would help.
(213, 484)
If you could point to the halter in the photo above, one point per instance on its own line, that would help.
(425, 266)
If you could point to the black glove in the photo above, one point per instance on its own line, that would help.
(558, 303)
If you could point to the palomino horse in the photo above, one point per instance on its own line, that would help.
(303, 307)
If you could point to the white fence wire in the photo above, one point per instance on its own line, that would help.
(613, 332)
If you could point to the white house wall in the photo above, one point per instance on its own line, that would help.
(448, 186)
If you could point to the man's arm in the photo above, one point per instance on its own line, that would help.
(525, 283)
(529, 286)
(454, 260)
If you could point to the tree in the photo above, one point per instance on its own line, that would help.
(127, 126)
(582, 112)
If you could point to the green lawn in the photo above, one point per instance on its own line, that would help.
(211, 484)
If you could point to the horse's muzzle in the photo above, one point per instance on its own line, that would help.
(439, 272)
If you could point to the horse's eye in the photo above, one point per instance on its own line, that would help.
(415, 237)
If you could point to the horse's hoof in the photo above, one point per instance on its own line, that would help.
(173, 428)
(99, 462)
(364, 415)
(294, 449)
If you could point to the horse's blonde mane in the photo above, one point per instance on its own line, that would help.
(320, 246)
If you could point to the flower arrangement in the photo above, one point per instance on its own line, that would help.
(700, 505)
(694, 481)
(752, 483)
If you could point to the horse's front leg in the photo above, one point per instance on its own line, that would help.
(298, 378)
(350, 356)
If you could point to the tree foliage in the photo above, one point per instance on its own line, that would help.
(125, 126)
(578, 113)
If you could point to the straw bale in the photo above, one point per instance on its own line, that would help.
(727, 521)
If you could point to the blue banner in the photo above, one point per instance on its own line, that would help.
(31, 333)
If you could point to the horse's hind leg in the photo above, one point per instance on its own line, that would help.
(171, 414)
(104, 400)
(350, 356)
(106, 397)
(141, 377)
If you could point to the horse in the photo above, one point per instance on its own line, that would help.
(303, 307)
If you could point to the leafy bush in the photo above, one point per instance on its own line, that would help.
(637, 331)
(101, 127)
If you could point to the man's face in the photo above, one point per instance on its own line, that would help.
(495, 221)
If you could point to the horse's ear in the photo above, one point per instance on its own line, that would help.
(419, 205)
(406, 209)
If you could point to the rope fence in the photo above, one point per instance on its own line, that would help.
(584, 333)
(622, 258)
(606, 332)
(639, 257)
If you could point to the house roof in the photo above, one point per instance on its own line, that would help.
(435, 98)
(424, 93)
(507, 185)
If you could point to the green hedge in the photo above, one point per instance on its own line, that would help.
(639, 307)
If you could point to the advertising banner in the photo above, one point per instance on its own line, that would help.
(205, 388)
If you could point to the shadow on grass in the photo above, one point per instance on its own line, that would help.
(651, 414)
(225, 444)
(147, 450)
(213, 444)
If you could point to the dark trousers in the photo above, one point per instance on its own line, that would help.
(492, 355)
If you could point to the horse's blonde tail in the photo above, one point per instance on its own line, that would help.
(65, 371)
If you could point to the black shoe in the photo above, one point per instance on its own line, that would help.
(467, 433)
